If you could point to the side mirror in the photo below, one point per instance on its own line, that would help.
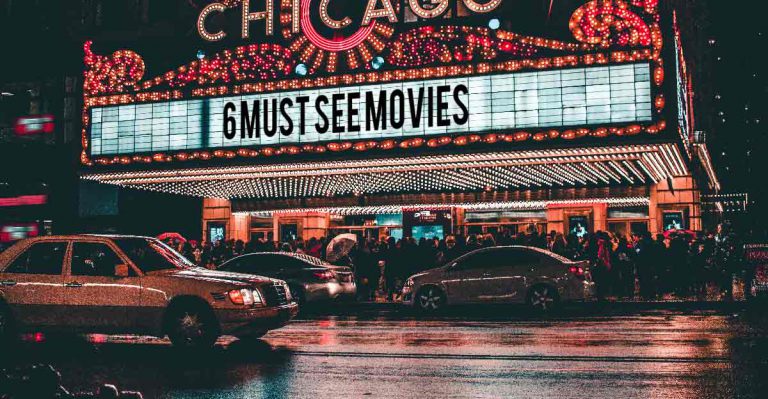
(122, 271)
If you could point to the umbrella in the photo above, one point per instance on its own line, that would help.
(171, 236)
(340, 246)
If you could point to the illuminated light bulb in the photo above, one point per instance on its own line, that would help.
(301, 69)
(494, 23)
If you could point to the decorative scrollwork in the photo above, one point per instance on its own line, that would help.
(113, 74)
(610, 23)
(431, 46)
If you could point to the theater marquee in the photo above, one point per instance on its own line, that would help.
(318, 80)
(570, 97)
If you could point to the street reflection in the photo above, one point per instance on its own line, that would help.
(644, 356)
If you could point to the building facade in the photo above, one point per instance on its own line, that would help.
(301, 118)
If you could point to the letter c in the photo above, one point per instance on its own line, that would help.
(210, 8)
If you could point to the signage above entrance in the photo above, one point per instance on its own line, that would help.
(353, 76)
(335, 15)
(569, 97)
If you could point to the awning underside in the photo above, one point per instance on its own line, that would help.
(575, 167)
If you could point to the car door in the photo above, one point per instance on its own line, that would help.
(103, 301)
(511, 274)
(33, 285)
(471, 278)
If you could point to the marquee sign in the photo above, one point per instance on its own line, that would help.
(341, 79)
(424, 108)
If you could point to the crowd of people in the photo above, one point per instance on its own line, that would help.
(631, 267)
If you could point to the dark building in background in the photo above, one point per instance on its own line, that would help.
(41, 88)
(735, 114)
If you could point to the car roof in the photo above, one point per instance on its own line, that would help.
(80, 237)
(303, 257)
(537, 249)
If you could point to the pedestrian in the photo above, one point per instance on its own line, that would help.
(623, 268)
(603, 265)
(559, 245)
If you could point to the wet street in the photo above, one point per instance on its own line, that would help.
(624, 354)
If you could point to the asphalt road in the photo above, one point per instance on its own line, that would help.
(637, 354)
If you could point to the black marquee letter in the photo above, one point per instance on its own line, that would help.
(247, 124)
(302, 101)
(286, 131)
(229, 121)
(377, 114)
(324, 127)
(442, 106)
(352, 112)
(337, 113)
(457, 92)
(397, 119)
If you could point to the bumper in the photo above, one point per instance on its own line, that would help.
(240, 322)
(583, 291)
(329, 291)
(348, 290)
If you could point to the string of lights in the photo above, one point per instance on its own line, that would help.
(606, 31)
(469, 172)
(471, 207)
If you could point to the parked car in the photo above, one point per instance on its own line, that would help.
(512, 274)
(310, 279)
(127, 285)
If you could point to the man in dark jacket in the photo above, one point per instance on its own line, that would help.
(645, 261)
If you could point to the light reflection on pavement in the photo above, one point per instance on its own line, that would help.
(658, 355)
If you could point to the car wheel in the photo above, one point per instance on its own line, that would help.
(430, 299)
(7, 331)
(542, 298)
(192, 327)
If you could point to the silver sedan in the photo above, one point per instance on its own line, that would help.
(511, 274)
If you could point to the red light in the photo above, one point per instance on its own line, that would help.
(331, 45)
(24, 200)
(34, 124)
(325, 275)
(577, 271)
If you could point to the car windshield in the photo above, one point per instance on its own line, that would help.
(152, 255)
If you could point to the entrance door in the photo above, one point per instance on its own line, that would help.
(33, 285)
(104, 301)
(289, 232)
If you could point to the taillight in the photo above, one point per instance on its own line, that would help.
(577, 271)
(324, 275)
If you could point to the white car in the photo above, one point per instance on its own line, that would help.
(132, 285)
(512, 274)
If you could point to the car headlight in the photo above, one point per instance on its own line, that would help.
(245, 297)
